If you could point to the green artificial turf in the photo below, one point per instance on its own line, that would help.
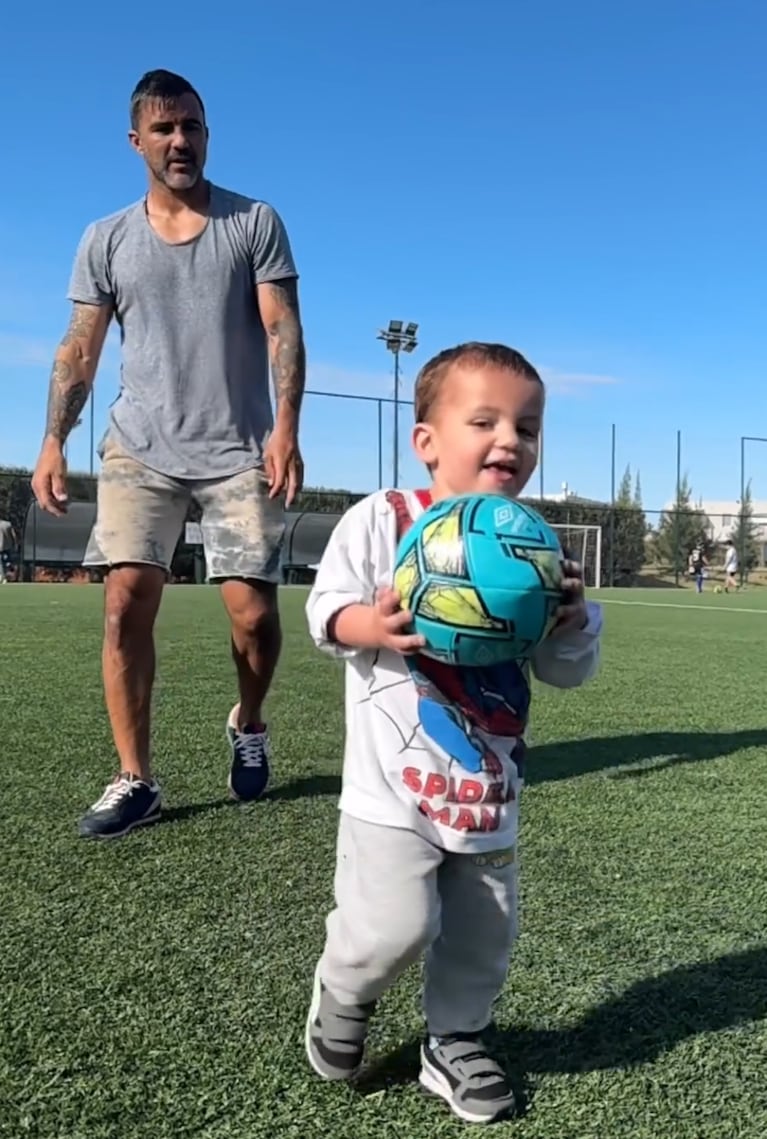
(157, 986)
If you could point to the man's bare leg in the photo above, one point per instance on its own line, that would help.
(132, 597)
(256, 642)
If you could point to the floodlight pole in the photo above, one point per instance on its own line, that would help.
(677, 519)
(395, 443)
(611, 578)
(76, 424)
(398, 338)
(742, 551)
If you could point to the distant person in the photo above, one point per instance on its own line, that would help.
(7, 544)
(427, 853)
(730, 567)
(201, 281)
(698, 565)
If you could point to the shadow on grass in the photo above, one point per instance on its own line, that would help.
(547, 763)
(633, 1027)
(308, 788)
(191, 810)
(550, 762)
(653, 581)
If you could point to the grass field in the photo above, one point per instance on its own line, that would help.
(156, 987)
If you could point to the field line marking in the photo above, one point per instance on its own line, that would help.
(678, 605)
(691, 605)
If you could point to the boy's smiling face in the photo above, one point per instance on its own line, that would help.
(482, 434)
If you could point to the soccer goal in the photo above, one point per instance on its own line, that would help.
(583, 544)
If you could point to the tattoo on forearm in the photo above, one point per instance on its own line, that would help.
(74, 369)
(67, 397)
(287, 346)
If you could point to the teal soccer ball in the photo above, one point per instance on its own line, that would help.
(482, 577)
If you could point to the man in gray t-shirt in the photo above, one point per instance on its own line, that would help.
(202, 284)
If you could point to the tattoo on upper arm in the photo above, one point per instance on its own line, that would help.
(288, 355)
(283, 294)
(82, 323)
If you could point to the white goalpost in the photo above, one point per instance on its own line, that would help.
(584, 545)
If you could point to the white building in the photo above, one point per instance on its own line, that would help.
(568, 495)
(723, 517)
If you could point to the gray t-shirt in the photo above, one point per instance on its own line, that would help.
(194, 397)
(6, 536)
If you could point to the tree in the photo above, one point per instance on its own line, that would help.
(681, 529)
(629, 528)
(745, 535)
(15, 496)
(638, 492)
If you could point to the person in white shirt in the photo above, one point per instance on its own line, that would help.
(730, 567)
(433, 764)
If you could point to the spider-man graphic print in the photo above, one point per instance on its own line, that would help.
(431, 749)
(456, 704)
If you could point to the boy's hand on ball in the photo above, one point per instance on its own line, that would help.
(572, 613)
(391, 623)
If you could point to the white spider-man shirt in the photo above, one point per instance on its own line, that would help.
(426, 748)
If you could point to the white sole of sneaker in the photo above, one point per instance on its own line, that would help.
(314, 1009)
(435, 1084)
(145, 822)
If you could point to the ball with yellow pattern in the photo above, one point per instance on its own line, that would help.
(482, 576)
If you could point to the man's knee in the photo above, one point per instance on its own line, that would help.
(131, 599)
(252, 608)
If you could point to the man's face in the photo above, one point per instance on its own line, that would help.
(172, 139)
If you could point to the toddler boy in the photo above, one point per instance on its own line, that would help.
(426, 858)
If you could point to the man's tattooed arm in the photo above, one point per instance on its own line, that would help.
(74, 368)
(67, 396)
(278, 304)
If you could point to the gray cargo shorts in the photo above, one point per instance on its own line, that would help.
(140, 514)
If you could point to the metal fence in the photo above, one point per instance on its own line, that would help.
(636, 547)
(358, 432)
(355, 434)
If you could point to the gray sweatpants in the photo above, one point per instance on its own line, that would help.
(398, 896)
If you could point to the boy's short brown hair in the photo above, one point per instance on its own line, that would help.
(474, 354)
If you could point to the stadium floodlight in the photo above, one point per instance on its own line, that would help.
(398, 338)
(410, 341)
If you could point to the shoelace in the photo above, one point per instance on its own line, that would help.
(251, 748)
(120, 788)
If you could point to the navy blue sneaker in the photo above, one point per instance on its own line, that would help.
(127, 802)
(251, 752)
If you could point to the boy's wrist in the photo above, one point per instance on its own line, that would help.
(355, 626)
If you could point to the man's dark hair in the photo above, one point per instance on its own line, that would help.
(162, 85)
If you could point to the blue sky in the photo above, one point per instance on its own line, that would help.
(586, 182)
